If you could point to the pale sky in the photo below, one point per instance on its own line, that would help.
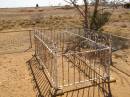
(31, 3)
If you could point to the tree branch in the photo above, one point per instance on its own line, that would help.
(76, 6)
(93, 22)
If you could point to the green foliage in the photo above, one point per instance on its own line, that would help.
(100, 20)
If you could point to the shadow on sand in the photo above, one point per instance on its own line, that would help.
(43, 87)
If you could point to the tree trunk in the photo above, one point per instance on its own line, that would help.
(86, 26)
(93, 22)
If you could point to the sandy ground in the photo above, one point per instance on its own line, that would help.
(121, 72)
(15, 80)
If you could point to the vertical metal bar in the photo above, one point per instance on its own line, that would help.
(84, 66)
(51, 34)
(57, 40)
(60, 42)
(74, 64)
(94, 73)
(30, 37)
(79, 68)
(68, 71)
(35, 43)
(63, 61)
(83, 93)
(51, 67)
(56, 70)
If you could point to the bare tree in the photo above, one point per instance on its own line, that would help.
(83, 12)
(88, 24)
(93, 22)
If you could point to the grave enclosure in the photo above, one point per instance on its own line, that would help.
(73, 61)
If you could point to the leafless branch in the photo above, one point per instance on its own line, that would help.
(74, 2)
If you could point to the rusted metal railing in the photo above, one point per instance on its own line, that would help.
(72, 61)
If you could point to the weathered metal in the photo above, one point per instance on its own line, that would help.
(15, 41)
(72, 61)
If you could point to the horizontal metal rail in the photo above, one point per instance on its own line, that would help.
(98, 44)
(14, 31)
(82, 86)
(44, 44)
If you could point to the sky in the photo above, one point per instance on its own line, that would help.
(31, 3)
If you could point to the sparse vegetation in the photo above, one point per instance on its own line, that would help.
(14, 71)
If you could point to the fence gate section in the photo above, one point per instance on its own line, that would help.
(72, 62)
(15, 41)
